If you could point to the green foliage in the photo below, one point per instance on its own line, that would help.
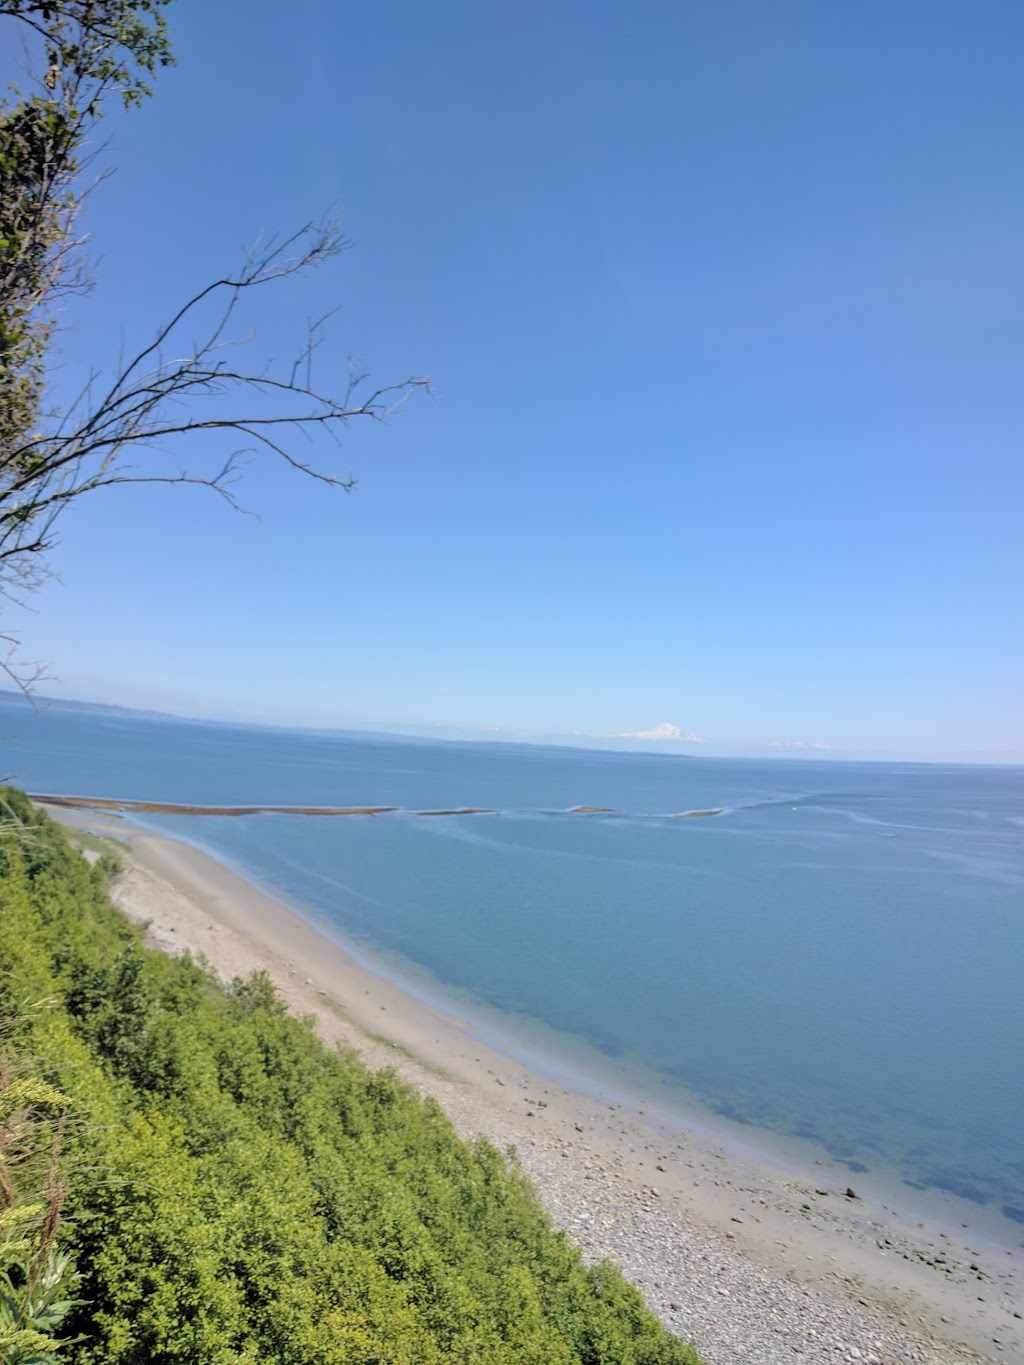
(33, 1306)
(84, 52)
(238, 1193)
(116, 43)
(36, 1281)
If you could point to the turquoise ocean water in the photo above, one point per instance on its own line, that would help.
(838, 956)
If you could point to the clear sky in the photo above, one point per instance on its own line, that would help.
(723, 306)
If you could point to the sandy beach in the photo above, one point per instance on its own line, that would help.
(753, 1260)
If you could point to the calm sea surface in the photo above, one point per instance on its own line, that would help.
(837, 956)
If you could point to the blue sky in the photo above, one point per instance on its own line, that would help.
(722, 308)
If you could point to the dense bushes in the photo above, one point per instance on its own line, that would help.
(239, 1193)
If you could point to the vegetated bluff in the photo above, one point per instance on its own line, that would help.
(239, 1193)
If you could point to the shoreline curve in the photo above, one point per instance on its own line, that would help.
(750, 1260)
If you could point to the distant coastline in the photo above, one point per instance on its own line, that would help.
(381, 732)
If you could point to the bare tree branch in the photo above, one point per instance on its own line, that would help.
(175, 398)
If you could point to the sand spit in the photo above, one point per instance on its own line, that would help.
(753, 1261)
(128, 807)
(458, 810)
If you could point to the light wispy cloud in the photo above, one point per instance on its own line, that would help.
(665, 731)
(798, 744)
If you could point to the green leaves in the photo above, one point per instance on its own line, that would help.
(115, 41)
(85, 52)
(33, 1309)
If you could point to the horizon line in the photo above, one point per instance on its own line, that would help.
(573, 740)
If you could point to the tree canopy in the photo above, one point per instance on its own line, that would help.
(80, 54)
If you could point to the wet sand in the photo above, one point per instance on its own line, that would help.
(754, 1260)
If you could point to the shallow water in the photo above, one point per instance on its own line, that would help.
(836, 956)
